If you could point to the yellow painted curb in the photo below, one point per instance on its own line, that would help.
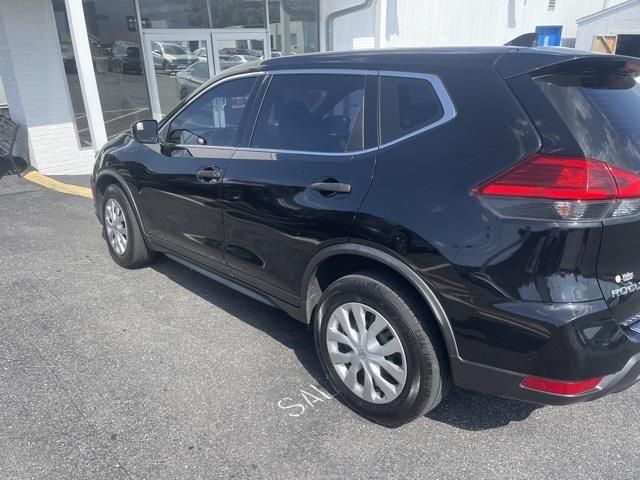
(61, 187)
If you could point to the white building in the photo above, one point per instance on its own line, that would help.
(77, 72)
(406, 23)
(613, 30)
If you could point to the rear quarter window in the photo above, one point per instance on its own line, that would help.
(406, 106)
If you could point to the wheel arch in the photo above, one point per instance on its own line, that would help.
(111, 177)
(351, 256)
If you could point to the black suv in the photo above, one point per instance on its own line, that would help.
(438, 216)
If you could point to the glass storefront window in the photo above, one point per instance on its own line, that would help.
(293, 26)
(180, 67)
(174, 14)
(202, 13)
(236, 52)
(237, 13)
(71, 72)
(117, 62)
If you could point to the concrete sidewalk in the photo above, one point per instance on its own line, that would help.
(78, 180)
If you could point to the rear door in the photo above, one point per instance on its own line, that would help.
(599, 103)
(298, 185)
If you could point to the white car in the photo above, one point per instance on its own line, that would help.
(171, 57)
(237, 59)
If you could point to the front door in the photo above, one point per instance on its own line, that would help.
(298, 186)
(179, 179)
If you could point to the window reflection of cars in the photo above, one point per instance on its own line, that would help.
(225, 61)
(201, 53)
(68, 58)
(125, 59)
(191, 78)
(238, 59)
(171, 57)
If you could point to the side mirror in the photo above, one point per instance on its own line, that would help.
(145, 131)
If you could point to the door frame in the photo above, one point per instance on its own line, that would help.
(211, 37)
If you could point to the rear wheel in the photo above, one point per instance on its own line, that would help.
(122, 232)
(380, 349)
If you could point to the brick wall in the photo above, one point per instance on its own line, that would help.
(36, 89)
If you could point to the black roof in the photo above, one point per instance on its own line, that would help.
(508, 60)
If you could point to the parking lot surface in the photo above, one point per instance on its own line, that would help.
(161, 373)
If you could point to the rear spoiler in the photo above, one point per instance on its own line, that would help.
(524, 40)
(545, 60)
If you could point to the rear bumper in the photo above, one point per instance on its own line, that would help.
(501, 343)
(504, 383)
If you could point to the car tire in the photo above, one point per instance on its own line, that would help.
(119, 222)
(409, 323)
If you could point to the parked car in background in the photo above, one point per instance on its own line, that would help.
(171, 57)
(430, 230)
(125, 58)
(240, 51)
(201, 53)
(238, 59)
(68, 58)
(225, 61)
(191, 78)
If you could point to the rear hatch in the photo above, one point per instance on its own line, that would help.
(595, 102)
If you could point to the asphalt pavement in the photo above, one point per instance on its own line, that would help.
(161, 373)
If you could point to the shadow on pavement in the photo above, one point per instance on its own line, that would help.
(274, 322)
(474, 411)
(461, 409)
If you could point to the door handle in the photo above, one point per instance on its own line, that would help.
(331, 186)
(208, 174)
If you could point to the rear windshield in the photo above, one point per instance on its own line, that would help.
(602, 111)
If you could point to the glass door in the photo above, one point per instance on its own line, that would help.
(236, 48)
(176, 64)
(179, 61)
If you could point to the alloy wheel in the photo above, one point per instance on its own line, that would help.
(366, 353)
(116, 226)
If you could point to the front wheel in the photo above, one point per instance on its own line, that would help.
(122, 232)
(380, 348)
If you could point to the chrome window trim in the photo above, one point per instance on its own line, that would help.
(445, 100)
(324, 71)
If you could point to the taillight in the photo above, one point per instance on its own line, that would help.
(562, 189)
(558, 387)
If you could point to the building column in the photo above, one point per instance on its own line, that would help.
(86, 74)
(35, 84)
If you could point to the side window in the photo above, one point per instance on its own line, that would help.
(312, 112)
(214, 117)
(406, 105)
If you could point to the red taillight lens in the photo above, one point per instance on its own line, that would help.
(560, 388)
(554, 188)
(553, 178)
